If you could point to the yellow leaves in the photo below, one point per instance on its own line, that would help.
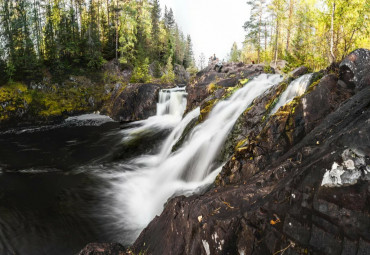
(227, 204)
(276, 220)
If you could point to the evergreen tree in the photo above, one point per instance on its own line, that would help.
(128, 33)
(169, 76)
(66, 36)
(188, 58)
(254, 26)
(169, 19)
(155, 16)
(234, 54)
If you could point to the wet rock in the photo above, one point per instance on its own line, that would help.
(319, 226)
(299, 71)
(349, 247)
(325, 242)
(133, 102)
(355, 69)
(182, 76)
(103, 249)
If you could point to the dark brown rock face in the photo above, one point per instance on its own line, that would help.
(103, 249)
(281, 205)
(354, 69)
(295, 182)
(299, 71)
(182, 76)
(229, 76)
(133, 102)
(270, 196)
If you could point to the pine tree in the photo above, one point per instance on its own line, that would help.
(155, 16)
(234, 54)
(188, 58)
(169, 19)
(254, 26)
(128, 32)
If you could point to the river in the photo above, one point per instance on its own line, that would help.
(89, 179)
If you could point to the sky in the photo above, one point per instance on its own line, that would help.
(214, 25)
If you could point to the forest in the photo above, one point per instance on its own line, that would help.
(313, 33)
(63, 37)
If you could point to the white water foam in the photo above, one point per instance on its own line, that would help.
(172, 102)
(139, 195)
(170, 108)
(296, 88)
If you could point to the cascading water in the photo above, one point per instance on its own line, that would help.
(170, 108)
(172, 101)
(296, 88)
(139, 192)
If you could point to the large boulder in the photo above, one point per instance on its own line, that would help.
(133, 102)
(181, 75)
(354, 70)
(299, 71)
(278, 66)
(103, 249)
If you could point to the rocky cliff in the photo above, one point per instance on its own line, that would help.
(295, 181)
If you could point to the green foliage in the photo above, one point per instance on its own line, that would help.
(169, 76)
(192, 70)
(141, 72)
(300, 31)
(157, 69)
(16, 99)
(234, 54)
(64, 37)
(267, 69)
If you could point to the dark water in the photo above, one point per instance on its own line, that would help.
(49, 200)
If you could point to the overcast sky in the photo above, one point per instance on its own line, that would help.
(212, 24)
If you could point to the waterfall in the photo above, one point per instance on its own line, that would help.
(296, 88)
(140, 192)
(170, 108)
(172, 101)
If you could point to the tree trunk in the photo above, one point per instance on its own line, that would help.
(277, 40)
(291, 3)
(117, 30)
(259, 34)
(332, 56)
(265, 41)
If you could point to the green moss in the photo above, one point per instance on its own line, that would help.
(16, 98)
(206, 109)
(240, 144)
(243, 81)
(267, 69)
(211, 88)
(313, 85)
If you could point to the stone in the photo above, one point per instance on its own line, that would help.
(299, 71)
(134, 102)
(349, 247)
(325, 242)
(363, 247)
(354, 70)
(296, 230)
(251, 208)
(278, 66)
(104, 249)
